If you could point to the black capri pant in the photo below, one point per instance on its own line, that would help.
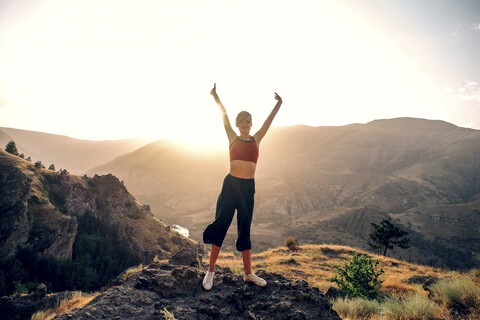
(237, 194)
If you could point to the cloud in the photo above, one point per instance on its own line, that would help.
(476, 26)
(468, 92)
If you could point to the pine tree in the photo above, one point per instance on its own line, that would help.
(39, 165)
(386, 235)
(12, 148)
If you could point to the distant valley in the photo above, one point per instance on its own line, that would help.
(327, 184)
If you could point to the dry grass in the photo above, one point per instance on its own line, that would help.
(401, 300)
(395, 287)
(132, 270)
(78, 300)
(314, 264)
(460, 293)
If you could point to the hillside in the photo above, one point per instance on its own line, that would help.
(74, 155)
(52, 223)
(309, 175)
(298, 288)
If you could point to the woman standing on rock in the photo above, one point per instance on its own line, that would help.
(238, 191)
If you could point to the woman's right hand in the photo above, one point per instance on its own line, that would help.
(214, 90)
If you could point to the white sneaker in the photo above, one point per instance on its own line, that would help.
(208, 280)
(252, 277)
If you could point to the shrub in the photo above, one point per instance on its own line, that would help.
(39, 165)
(460, 292)
(358, 277)
(12, 148)
(291, 243)
(356, 308)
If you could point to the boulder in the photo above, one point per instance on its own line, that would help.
(333, 293)
(184, 257)
(162, 290)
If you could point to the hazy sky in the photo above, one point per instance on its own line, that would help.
(114, 69)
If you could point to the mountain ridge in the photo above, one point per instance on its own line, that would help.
(307, 174)
(75, 155)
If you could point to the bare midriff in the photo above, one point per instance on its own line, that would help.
(242, 169)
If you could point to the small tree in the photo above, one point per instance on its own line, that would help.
(52, 167)
(39, 165)
(358, 277)
(291, 243)
(29, 159)
(386, 235)
(12, 148)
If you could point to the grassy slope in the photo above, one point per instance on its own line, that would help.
(314, 264)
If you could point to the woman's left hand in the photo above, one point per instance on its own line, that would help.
(278, 98)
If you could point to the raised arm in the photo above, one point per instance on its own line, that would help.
(266, 125)
(226, 122)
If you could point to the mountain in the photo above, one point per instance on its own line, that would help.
(71, 231)
(75, 155)
(308, 175)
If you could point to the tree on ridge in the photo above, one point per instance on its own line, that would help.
(386, 236)
(12, 148)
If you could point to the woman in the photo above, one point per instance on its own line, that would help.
(238, 191)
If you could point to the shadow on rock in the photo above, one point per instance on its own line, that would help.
(177, 290)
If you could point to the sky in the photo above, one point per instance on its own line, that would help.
(114, 69)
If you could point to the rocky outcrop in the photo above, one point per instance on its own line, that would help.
(44, 210)
(160, 290)
(14, 223)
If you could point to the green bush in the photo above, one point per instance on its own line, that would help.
(358, 277)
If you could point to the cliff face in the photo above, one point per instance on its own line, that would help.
(44, 210)
(14, 222)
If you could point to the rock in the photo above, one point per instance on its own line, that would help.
(184, 257)
(425, 281)
(41, 290)
(421, 280)
(178, 289)
(334, 293)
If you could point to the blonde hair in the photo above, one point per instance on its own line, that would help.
(242, 115)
